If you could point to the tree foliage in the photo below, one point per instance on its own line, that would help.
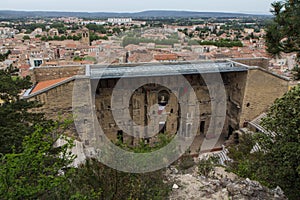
(120, 185)
(206, 165)
(43, 171)
(32, 166)
(35, 172)
(61, 38)
(223, 43)
(30, 27)
(16, 120)
(26, 37)
(94, 37)
(283, 35)
(96, 28)
(4, 56)
(278, 161)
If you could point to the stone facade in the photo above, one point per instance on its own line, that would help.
(57, 102)
(248, 94)
(262, 89)
(147, 96)
(39, 74)
(259, 62)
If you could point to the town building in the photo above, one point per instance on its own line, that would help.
(119, 20)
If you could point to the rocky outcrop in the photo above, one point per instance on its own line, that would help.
(220, 185)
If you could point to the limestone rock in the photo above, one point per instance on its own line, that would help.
(175, 186)
(227, 187)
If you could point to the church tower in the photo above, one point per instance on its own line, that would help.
(85, 36)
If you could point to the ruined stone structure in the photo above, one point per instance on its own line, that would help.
(168, 107)
(249, 92)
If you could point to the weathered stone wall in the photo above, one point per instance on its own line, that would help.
(262, 89)
(259, 62)
(58, 104)
(49, 73)
(235, 84)
(57, 101)
(146, 97)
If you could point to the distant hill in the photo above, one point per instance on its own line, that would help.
(143, 14)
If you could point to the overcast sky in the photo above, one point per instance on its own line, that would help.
(246, 6)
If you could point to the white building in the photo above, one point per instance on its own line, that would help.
(6, 32)
(119, 20)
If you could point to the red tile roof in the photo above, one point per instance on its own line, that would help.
(165, 57)
(46, 84)
(24, 67)
(71, 46)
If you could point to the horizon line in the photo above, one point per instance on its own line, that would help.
(132, 12)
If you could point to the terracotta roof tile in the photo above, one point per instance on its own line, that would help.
(165, 57)
(24, 67)
(46, 84)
